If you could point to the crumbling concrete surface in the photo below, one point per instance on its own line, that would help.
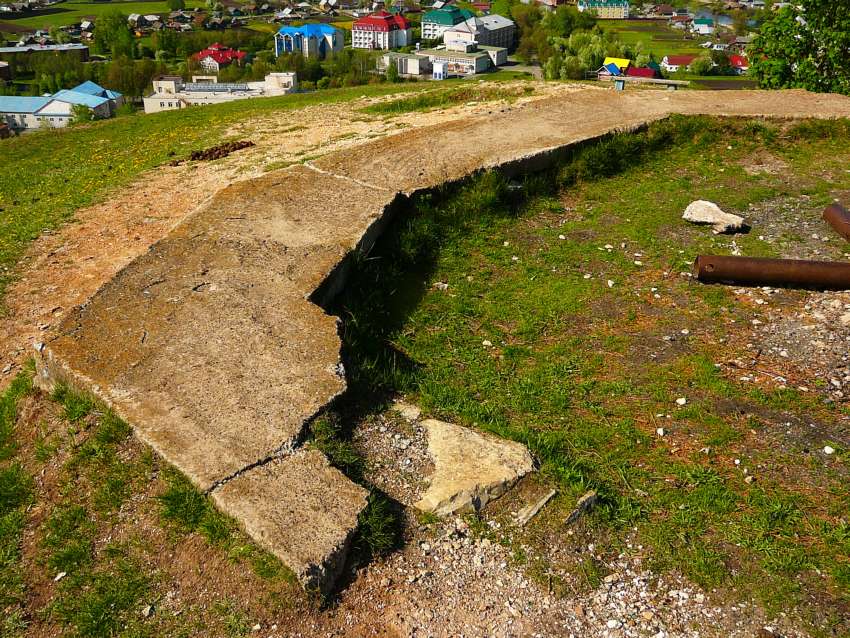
(208, 344)
(470, 469)
(313, 517)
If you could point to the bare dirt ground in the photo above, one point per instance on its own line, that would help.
(64, 268)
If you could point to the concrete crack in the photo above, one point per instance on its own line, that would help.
(345, 177)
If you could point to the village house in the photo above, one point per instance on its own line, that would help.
(310, 40)
(57, 110)
(703, 26)
(170, 92)
(674, 63)
(739, 64)
(217, 56)
(606, 9)
(681, 22)
(438, 21)
(491, 31)
(381, 30)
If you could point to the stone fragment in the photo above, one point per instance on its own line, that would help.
(407, 411)
(530, 511)
(470, 468)
(300, 509)
(703, 212)
(587, 501)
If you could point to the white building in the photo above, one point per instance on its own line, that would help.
(381, 30)
(57, 110)
(491, 31)
(407, 64)
(606, 9)
(171, 92)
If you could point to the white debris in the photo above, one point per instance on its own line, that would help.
(681, 401)
(828, 449)
(703, 212)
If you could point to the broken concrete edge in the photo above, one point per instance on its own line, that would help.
(332, 527)
(329, 289)
(318, 576)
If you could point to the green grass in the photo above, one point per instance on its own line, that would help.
(72, 12)
(95, 473)
(16, 493)
(568, 374)
(656, 37)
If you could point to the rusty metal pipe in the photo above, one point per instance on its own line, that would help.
(839, 218)
(758, 271)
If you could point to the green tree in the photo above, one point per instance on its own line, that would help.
(392, 72)
(804, 45)
(702, 65)
(112, 35)
(58, 35)
(176, 5)
(80, 114)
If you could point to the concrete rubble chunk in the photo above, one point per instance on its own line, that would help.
(407, 411)
(207, 344)
(470, 468)
(583, 505)
(533, 509)
(300, 509)
(704, 212)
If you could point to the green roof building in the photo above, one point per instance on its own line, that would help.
(436, 22)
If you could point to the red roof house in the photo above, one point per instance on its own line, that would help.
(217, 55)
(381, 30)
(739, 63)
(672, 63)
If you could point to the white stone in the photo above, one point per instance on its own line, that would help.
(828, 449)
(703, 212)
(470, 468)
(406, 410)
(681, 401)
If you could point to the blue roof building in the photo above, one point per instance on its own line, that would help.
(22, 104)
(75, 97)
(310, 40)
(95, 89)
(57, 110)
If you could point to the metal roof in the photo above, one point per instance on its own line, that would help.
(22, 104)
(43, 47)
(203, 87)
(73, 97)
(309, 30)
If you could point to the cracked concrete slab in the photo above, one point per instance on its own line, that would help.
(302, 510)
(470, 468)
(209, 345)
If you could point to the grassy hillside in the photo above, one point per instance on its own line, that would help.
(47, 175)
(74, 11)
